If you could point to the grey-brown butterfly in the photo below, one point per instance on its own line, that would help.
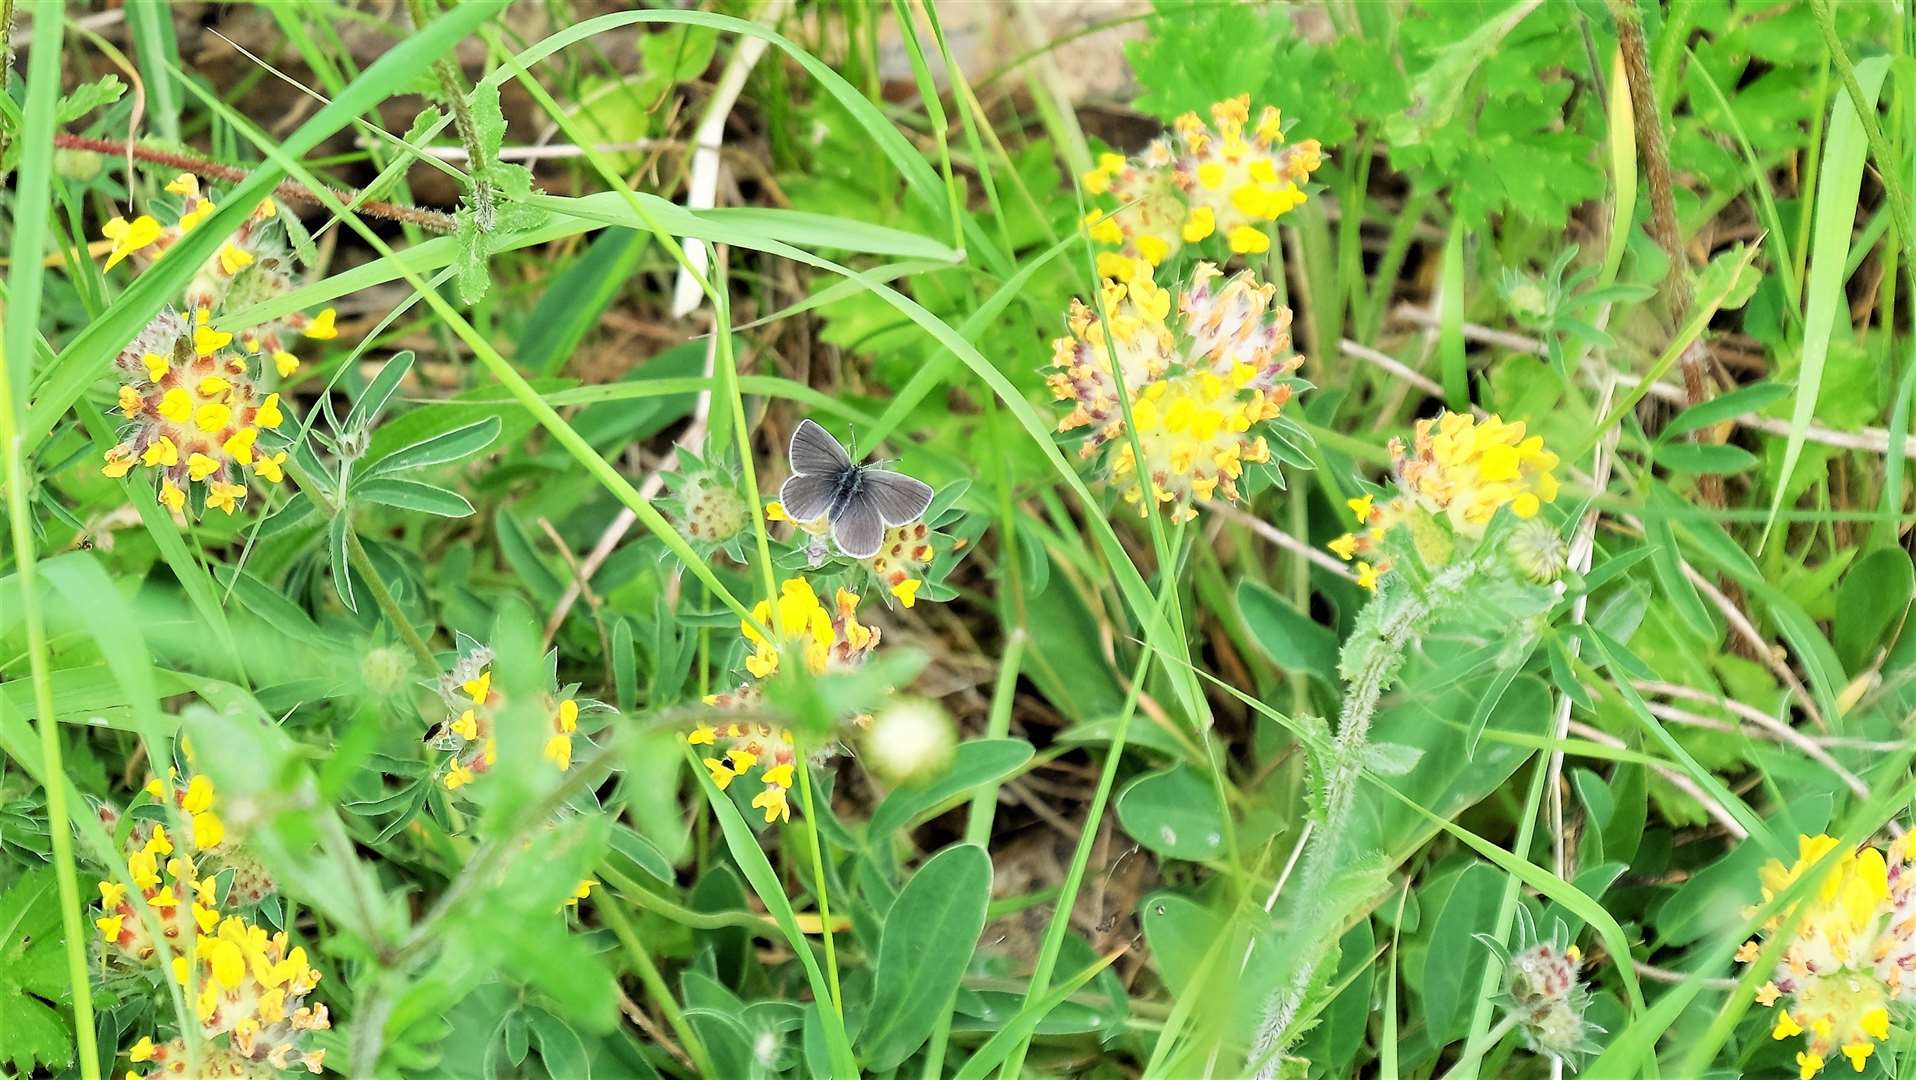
(859, 502)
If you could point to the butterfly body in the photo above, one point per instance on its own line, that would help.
(858, 501)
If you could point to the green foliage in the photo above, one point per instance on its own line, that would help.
(33, 982)
(1217, 806)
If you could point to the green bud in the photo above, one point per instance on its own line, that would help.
(714, 510)
(1538, 552)
(76, 164)
(385, 670)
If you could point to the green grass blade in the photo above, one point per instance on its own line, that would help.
(1839, 185)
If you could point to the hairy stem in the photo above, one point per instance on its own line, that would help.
(1311, 921)
(290, 190)
(452, 86)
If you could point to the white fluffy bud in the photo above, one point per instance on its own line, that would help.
(909, 739)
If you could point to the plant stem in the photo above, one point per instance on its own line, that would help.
(810, 829)
(654, 984)
(289, 190)
(59, 825)
(1312, 917)
(1663, 220)
(453, 88)
(1081, 857)
(360, 561)
(356, 554)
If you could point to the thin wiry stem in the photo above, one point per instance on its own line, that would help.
(288, 191)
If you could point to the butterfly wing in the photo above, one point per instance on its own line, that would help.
(815, 453)
(857, 528)
(807, 497)
(900, 499)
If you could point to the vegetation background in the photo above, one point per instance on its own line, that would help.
(588, 266)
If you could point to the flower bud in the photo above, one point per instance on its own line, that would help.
(1538, 552)
(714, 510)
(910, 739)
(384, 670)
(76, 164)
(1527, 300)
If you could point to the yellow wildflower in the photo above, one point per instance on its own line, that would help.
(1199, 180)
(1194, 410)
(1850, 955)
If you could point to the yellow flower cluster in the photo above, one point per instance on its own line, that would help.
(900, 563)
(1199, 384)
(1233, 177)
(1457, 468)
(196, 803)
(1852, 954)
(251, 266)
(471, 735)
(195, 413)
(748, 746)
(252, 989)
(183, 902)
(826, 639)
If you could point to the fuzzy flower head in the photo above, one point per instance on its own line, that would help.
(1200, 384)
(196, 414)
(251, 1005)
(1852, 953)
(711, 509)
(1231, 177)
(252, 266)
(1449, 482)
(903, 564)
(182, 901)
(739, 748)
(826, 640)
(1544, 992)
(470, 735)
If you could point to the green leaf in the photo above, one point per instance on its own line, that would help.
(87, 97)
(928, 939)
(559, 1046)
(1173, 812)
(33, 975)
(1731, 276)
(644, 853)
(336, 545)
(979, 761)
(1020, 1026)
(1874, 595)
(1753, 398)
(1690, 457)
(743, 844)
(578, 295)
(488, 122)
(413, 495)
(366, 410)
(1454, 965)
(1838, 187)
(1288, 636)
(438, 449)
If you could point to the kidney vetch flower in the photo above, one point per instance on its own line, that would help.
(822, 640)
(1852, 954)
(1457, 471)
(1200, 385)
(1234, 179)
